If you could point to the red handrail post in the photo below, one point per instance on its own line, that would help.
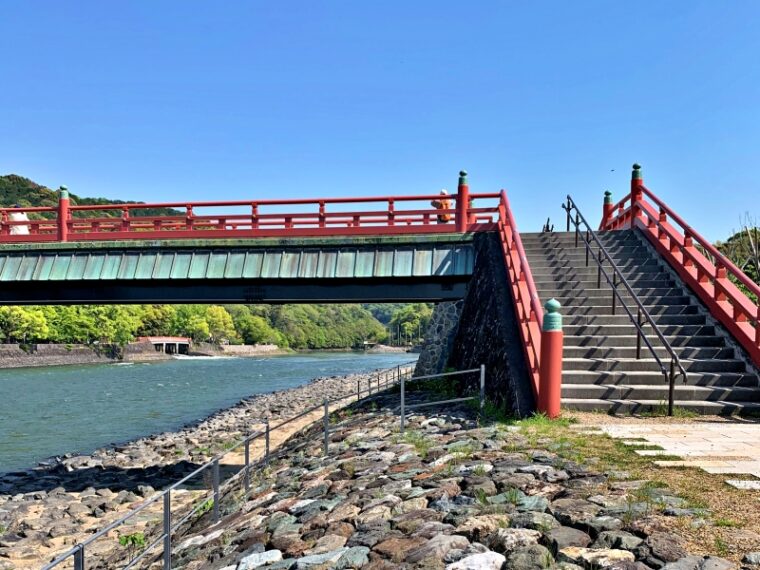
(550, 371)
(637, 185)
(607, 209)
(463, 203)
(63, 214)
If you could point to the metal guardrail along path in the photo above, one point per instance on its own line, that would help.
(78, 554)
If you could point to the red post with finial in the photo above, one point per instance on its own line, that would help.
(63, 214)
(637, 183)
(607, 210)
(463, 203)
(550, 369)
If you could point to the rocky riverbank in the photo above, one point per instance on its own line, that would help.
(47, 509)
(448, 494)
(38, 355)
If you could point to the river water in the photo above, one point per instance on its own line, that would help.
(61, 409)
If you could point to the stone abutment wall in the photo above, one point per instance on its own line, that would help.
(482, 329)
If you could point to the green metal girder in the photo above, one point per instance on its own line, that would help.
(399, 258)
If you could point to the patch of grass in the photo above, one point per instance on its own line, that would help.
(480, 471)
(421, 443)
(2, 530)
(721, 548)
(661, 409)
(132, 542)
(727, 523)
(512, 495)
(205, 507)
(481, 497)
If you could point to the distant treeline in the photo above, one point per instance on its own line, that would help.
(294, 326)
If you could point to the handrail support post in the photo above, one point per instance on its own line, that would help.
(168, 530)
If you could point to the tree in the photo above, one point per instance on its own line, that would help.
(219, 324)
(411, 320)
(25, 324)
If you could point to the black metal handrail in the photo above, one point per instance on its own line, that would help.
(619, 279)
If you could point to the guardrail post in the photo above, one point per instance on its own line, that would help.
(79, 558)
(550, 371)
(215, 483)
(463, 203)
(637, 182)
(403, 412)
(482, 387)
(63, 214)
(358, 390)
(327, 424)
(607, 209)
(247, 474)
(266, 441)
(168, 530)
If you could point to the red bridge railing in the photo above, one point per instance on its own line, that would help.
(524, 294)
(380, 215)
(709, 273)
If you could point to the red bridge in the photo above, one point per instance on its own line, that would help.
(653, 313)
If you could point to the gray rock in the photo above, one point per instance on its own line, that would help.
(564, 536)
(321, 560)
(660, 548)
(752, 558)
(537, 521)
(617, 539)
(534, 557)
(437, 547)
(354, 557)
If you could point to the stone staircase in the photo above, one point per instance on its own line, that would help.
(600, 369)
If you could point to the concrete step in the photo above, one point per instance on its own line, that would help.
(578, 256)
(559, 266)
(725, 379)
(630, 340)
(617, 352)
(623, 326)
(670, 306)
(606, 294)
(571, 284)
(622, 319)
(649, 364)
(563, 270)
(659, 391)
(659, 406)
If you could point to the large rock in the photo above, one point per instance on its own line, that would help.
(564, 536)
(659, 548)
(506, 540)
(617, 539)
(594, 557)
(700, 563)
(534, 557)
(574, 512)
(479, 528)
(259, 559)
(482, 561)
(437, 547)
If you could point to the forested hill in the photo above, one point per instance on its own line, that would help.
(295, 326)
(16, 189)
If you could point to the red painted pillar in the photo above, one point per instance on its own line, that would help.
(550, 371)
(463, 203)
(63, 214)
(637, 181)
(607, 210)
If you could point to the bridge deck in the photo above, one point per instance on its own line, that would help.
(408, 267)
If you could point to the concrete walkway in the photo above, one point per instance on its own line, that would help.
(715, 447)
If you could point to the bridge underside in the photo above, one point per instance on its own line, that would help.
(376, 290)
(394, 269)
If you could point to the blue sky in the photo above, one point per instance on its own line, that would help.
(166, 101)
